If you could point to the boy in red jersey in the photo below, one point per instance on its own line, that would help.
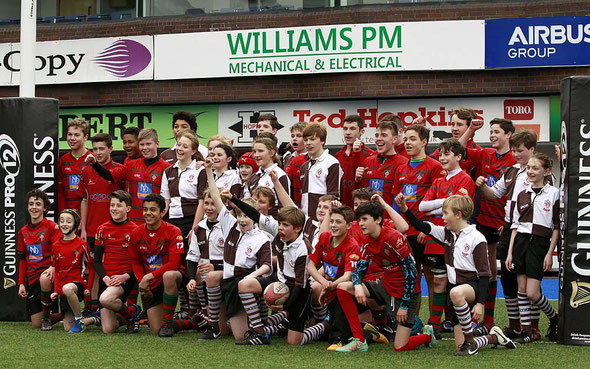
(460, 122)
(142, 176)
(351, 156)
(70, 254)
(34, 250)
(468, 270)
(378, 171)
(96, 201)
(493, 162)
(70, 165)
(336, 252)
(398, 141)
(156, 249)
(456, 182)
(295, 160)
(113, 265)
(399, 290)
(130, 146)
(321, 174)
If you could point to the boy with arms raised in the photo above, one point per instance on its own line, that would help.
(34, 251)
(321, 174)
(142, 176)
(156, 250)
(493, 162)
(351, 156)
(70, 166)
(113, 266)
(468, 270)
(399, 290)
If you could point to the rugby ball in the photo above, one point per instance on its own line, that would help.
(277, 293)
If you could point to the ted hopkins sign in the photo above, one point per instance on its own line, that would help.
(321, 49)
(79, 61)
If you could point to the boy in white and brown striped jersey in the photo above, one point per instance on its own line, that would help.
(536, 218)
(468, 269)
(246, 254)
(321, 174)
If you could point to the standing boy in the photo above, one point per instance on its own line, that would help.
(70, 166)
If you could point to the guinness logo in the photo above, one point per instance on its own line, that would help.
(580, 293)
(8, 283)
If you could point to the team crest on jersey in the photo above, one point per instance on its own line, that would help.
(127, 237)
(418, 177)
(153, 177)
(465, 250)
(191, 178)
(386, 173)
(220, 242)
(292, 264)
(249, 251)
(547, 205)
(41, 236)
(318, 174)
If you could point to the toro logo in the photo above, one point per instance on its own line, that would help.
(124, 58)
(522, 109)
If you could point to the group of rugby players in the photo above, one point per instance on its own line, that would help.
(350, 234)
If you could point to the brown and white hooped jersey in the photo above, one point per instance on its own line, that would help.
(262, 178)
(310, 230)
(512, 182)
(319, 177)
(183, 188)
(466, 254)
(207, 245)
(243, 252)
(292, 260)
(537, 213)
(230, 179)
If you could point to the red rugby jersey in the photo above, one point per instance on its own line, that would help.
(69, 175)
(70, 258)
(97, 192)
(156, 251)
(115, 238)
(293, 171)
(401, 150)
(492, 166)
(465, 165)
(380, 174)
(335, 260)
(35, 249)
(374, 271)
(387, 251)
(459, 184)
(349, 163)
(415, 182)
(141, 180)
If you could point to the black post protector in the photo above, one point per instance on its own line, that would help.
(574, 247)
(28, 159)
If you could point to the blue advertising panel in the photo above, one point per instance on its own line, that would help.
(537, 42)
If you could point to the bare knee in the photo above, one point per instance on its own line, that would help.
(456, 295)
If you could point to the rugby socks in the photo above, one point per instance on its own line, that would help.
(272, 330)
(312, 333)
(183, 300)
(464, 317)
(252, 311)
(439, 301)
(169, 305)
(94, 304)
(121, 319)
(546, 307)
(263, 308)
(46, 304)
(126, 311)
(214, 298)
(414, 342)
(319, 312)
(277, 318)
(510, 287)
(183, 325)
(201, 294)
(524, 307)
(87, 304)
(482, 341)
(193, 302)
(535, 315)
(132, 298)
(490, 305)
(351, 312)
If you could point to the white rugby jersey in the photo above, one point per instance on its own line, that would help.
(321, 176)
(466, 254)
(537, 213)
(311, 229)
(230, 179)
(243, 252)
(262, 178)
(207, 245)
(183, 189)
(292, 260)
